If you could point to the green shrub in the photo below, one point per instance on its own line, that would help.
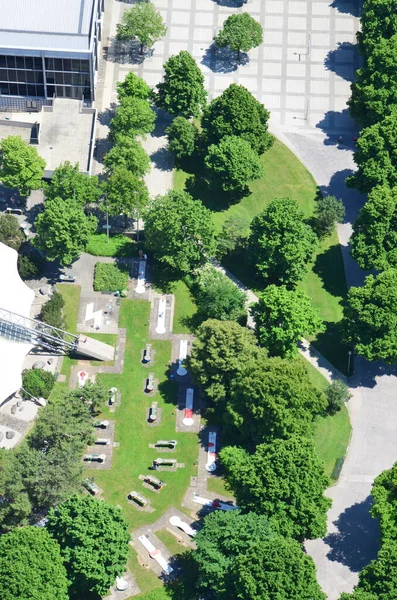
(109, 277)
(28, 268)
(118, 245)
(51, 313)
(37, 382)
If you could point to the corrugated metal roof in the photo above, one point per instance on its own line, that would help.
(44, 24)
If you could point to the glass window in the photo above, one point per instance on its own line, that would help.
(20, 60)
(38, 63)
(76, 65)
(13, 89)
(21, 76)
(87, 93)
(50, 90)
(67, 64)
(49, 63)
(29, 62)
(40, 90)
(12, 75)
(68, 78)
(4, 89)
(3, 75)
(30, 76)
(11, 62)
(58, 66)
(85, 66)
(69, 92)
(3, 62)
(50, 77)
(22, 90)
(59, 78)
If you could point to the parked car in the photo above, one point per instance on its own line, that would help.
(14, 211)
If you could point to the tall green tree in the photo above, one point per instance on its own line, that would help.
(271, 398)
(378, 580)
(15, 508)
(220, 352)
(233, 235)
(94, 542)
(374, 240)
(239, 556)
(182, 136)
(384, 493)
(218, 297)
(182, 91)
(141, 22)
(133, 86)
(375, 157)
(11, 233)
(370, 319)
(378, 20)
(281, 243)
(129, 154)
(134, 116)
(282, 317)
(68, 183)
(329, 212)
(63, 230)
(31, 567)
(284, 480)
(237, 112)
(21, 166)
(232, 164)
(126, 193)
(241, 33)
(179, 231)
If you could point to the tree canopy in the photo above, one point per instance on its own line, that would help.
(282, 317)
(68, 183)
(134, 116)
(31, 567)
(375, 157)
(94, 541)
(241, 33)
(232, 164)
(284, 480)
(236, 112)
(133, 86)
(329, 212)
(380, 576)
(217, 296)
(141, 22)
(378, 20)
(374, 240)
(128, 153)
(21, 166)
(238, 556)
(220, 351)
(370, 317)
(179, 231)
(182, 136)
(272, 398)
(182, 91)
(63, 230)
(11, 233)
(125, 193)
(384, 493)
(281, 243)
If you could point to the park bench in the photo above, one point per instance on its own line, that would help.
(158, 484)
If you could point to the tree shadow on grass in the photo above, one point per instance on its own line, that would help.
(183, 585)
(329, 343)
(163, 278)
(355, 543)
(328, 266)
(213, 198)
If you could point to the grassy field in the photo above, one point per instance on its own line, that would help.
(170, 541)
(331, 438)
(285, 176)
(134, 456)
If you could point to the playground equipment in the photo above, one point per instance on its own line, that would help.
(150, 383)
(155, 553)
(156, 483)
(177, 522)
(166, 444)
(138, 499)
(160, 328)
(153, 412)
(216, 504)
(188, 418)
(211, 449)
(147, 354)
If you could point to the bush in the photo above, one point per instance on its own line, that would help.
(28, 268)
(118, 245)
(109, 277)
(37, 382)
(218, 297)
(329, 212)
(51, 313)
(337, 395)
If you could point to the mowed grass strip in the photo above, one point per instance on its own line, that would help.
(133, 456)
(286, 177)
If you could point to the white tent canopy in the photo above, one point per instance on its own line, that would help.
(16, 297)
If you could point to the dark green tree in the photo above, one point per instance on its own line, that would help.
(28, 267)
(218, 297)
(282, 317)
(15, 507)
(134, 116)
(94, 542)
(63, 230)
(370, 319)
(37, 382)
(182, 91)
(374, 240)
(232, 164)
(329, 212)
(281, 243)
(375, 157)
(31, 567)
(182, 135)
(271, 398)
(220, 352)
(241, 33)
(284, 480)
(11, 233)
(384, 493)
(232, 236)
(141, 22)
(179, 231)
(126, 194)
(21, 166)
(337, 395)
(129, 154)
(358, 594)
(237, 112)
(133, 86)
(93, 394)
(378, 20)
(238, 556)
(52, 311)
(68, 183)
(379, 578)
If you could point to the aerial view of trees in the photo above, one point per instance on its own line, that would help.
(218, 297)
(143, 23)
(240, 33)
(21, 166)
(10, 232)
(67, 183)
(182, 135)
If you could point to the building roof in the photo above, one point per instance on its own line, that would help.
(46, 24)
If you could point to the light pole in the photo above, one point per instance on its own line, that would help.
(349, 354)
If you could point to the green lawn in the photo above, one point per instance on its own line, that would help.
(217, 485)
(133, 457)
(285, 176)
(170, 541)
(185, 309)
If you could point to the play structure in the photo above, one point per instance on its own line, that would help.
(211, 452)
(155, 553)
(160, 328)
(181, 370)
(188, 417)
(177, 522)
(140, 288)
(216, 504)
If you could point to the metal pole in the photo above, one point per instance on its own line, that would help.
(348, 362)
(107, 220)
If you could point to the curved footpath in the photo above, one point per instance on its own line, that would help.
(351, 541)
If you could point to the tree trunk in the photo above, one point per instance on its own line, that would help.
(141, 49)
(238, 55)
